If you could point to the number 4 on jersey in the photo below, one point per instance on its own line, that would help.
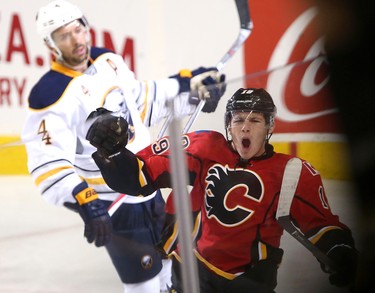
(45, 135)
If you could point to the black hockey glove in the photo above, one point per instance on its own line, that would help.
(108, 133)
(209, 86)
(346, 259)
(98, 225)
(185, 75)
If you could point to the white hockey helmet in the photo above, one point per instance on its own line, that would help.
(55, 15)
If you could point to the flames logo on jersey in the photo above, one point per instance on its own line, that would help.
(230, 194)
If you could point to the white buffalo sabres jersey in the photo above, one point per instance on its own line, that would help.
(59, 156)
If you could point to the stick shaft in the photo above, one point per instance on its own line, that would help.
(288, 188)
(245, 30)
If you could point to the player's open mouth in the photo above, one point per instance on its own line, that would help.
(245, 142)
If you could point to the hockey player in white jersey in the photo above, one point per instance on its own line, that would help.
(83, 78)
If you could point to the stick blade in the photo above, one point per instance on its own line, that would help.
(289, 184)
(244, 14)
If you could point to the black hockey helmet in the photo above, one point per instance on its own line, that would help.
(251, 99)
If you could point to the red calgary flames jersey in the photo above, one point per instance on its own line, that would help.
(238, 203)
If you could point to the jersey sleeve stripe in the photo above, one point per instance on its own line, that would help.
(50, 173)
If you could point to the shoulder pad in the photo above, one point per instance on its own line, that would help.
(96, 52)
(48, 90)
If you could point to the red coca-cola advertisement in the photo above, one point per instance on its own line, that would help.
(285, 54)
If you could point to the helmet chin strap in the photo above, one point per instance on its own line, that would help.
(268, 136)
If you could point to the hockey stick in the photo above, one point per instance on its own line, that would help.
(288, 187)
(179, 173)
(246, 28)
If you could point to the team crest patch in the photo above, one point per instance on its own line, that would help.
(230, 194)
(146, 262)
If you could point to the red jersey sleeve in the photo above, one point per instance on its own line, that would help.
(198, 147)
(310, 208)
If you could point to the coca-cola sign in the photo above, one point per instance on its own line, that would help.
(285, 54)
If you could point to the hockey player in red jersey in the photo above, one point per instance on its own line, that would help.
(238, 180)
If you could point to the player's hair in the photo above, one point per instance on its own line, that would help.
(54, 15)
(251, 99)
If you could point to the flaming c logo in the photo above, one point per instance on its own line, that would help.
(230, 193)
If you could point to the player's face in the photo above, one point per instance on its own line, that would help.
(72, 41)
(249, 132)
